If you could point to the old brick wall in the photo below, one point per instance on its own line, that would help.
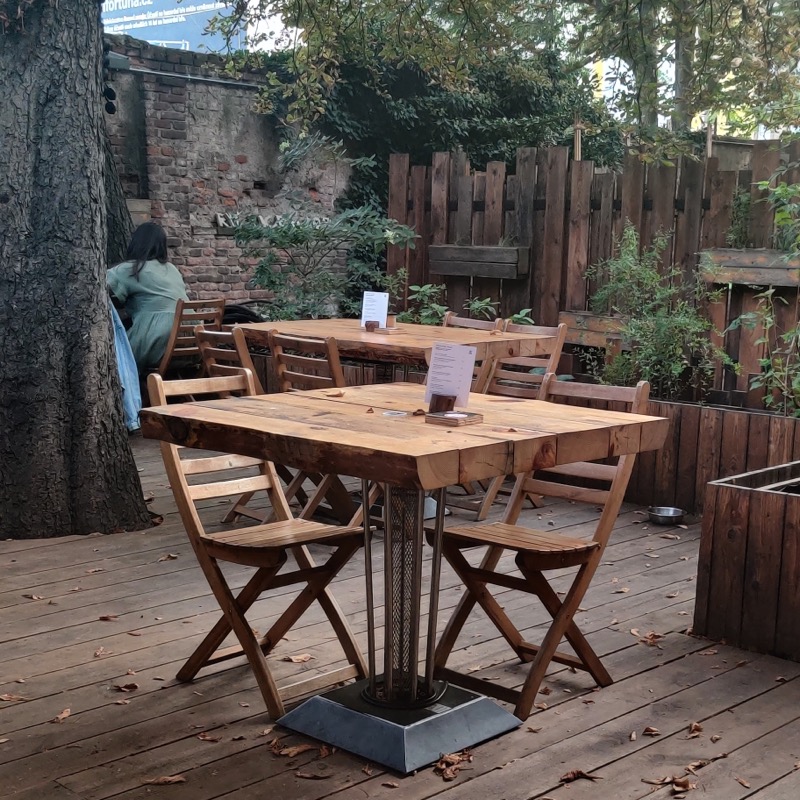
(185, 138)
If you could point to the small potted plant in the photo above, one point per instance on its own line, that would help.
(395, 286)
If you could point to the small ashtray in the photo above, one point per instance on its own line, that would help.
(665, 515)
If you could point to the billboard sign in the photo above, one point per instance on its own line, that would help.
(166, 23)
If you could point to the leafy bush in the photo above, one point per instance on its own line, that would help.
(665, 334)
(294, 253)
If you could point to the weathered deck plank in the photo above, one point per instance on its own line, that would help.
(105, 749)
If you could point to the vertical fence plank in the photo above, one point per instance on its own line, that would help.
(580, 187)
(750, 353)
(687, 458)
(440, 197)
(547, 279)
(667, 459)
(762, 570)
(632, 190)
(418, 256)
(688, 221)
(787, 629)
(764, 161)
(660, 218)
(733, 448)
(398, 207)
(492, 225)
(516, 295)
(600, 224)
(757, 442)
(459, 165)
(720, 190)
(458, 287)
(708, 451)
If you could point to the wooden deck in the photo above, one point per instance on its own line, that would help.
(83, 618)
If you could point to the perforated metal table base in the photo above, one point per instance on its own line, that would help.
(402, 739)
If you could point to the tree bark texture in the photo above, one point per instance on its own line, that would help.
(65, 463)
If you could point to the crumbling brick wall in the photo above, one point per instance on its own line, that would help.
(186, 139)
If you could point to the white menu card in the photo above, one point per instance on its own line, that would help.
(450, 371)
(375, 307)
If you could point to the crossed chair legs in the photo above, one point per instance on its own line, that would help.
(234, 607)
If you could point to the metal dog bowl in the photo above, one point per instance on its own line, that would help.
(665, 515)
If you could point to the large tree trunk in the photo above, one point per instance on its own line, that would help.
(65, 463)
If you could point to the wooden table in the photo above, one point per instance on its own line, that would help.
(411, 345)
(358, 432)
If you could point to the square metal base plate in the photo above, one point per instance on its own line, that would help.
(403, 740)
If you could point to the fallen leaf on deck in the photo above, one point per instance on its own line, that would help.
(122, 702)
(131, 672)
(134, 633)
(276, 746)
(450, 764)
(742, 781)
(420, 412)
(540, 706)
(709, 652)
(670, 536)
(244, 705)
(651, 638)
(338, 393)
(545, 690)
(33, 596)
(12, 697)
(699, 764)
(683, 784)
(370, 411)
(575, 774)
(92, 571)
(107, 617)
(266, 732)
(101, 651)
(296, 749)
(632, 737)
(390, 784)
(127, 687)
(312, 776)
(715, 738)
(588, 702)
(658, 781)
(239, 738)
(683, 527)
(62, 716)
(20, 680)
(299, 659)
(695, 729)
(156, 519)
(670, 596)
(3, 741)
(168, 557)
(623, 590)
(634, 631)
(651, 731)
(367, 769)
(797, 765)
(532, 730)
(207, 737)
(781, 679)
(325, 751)
(164, 780)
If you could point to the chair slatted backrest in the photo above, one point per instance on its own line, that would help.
(188, 314)
(452, 320)
(303, 363)
(570, 480)
(212, 469)
(225, 353)
(482, 369)
(522, 376)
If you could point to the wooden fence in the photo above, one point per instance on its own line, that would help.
(565, 215)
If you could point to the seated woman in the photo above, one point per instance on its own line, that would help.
(149, 287)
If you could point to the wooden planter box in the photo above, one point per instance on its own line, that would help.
(479, 262)
(748, 581)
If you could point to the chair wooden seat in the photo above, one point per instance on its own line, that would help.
(538, 551)
(266, 547)
(562, 551)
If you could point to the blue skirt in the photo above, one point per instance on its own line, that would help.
(128, 373)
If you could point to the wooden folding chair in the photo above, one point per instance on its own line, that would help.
(303, 363)
(264, 547)
(482, 370)
(515, 376)
(539, 551)
(224, 352)
(182, 344)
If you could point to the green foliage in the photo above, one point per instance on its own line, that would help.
(294, 250)
(785, 199)
(481, 307)
(780, 367)
(666, 337)
(522, 317)
(738, 235)
(510, 102)
(425, 305)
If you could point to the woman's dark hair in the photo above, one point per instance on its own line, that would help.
(148, 243)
